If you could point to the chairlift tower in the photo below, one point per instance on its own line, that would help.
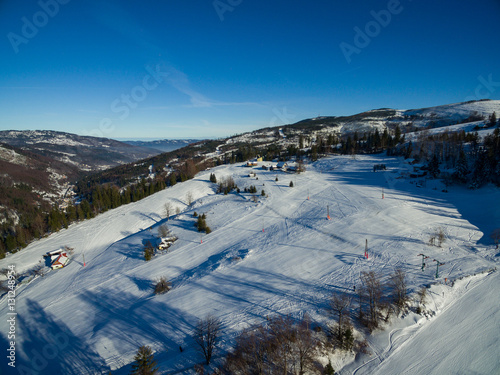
(438, 263)
(423, 260)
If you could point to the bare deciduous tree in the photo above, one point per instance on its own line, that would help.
(283, 347)
(4, 271)
(164, 231)
(304, 346)
(69, 250)
(225, 185)
(177, 210)
(250, 355)
(38, 270)
(282, 337)
(495, 236)
(300, 166)
(162, 285)
(167, 210)
(438, 236)
(370, 293)
(432, 240)
(189, 198)
(422, 295)
(339, 304)
(397, 284)
(206, 336)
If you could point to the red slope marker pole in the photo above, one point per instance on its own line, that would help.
(328, 212)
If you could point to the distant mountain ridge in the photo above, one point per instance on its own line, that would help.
(86, 153)
(376, 119)
(39, 167)
(163, 145)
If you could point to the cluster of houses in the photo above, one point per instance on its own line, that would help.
(274, 166)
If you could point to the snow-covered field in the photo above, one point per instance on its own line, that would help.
(278, 256)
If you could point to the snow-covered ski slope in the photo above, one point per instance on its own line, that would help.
(462, 339)
(277, 256)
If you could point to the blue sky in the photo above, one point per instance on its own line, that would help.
(190, 69)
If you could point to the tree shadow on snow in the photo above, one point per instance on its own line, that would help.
(151, 216)
(131, 251)
(142, 284)
(47, 346)
(131, 321)
(4, 363)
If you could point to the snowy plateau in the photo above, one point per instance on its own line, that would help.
(276, 256)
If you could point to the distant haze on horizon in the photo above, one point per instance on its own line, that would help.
(189, 69)
(154, 139)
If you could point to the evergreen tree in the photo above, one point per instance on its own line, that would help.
(462, 169)
(397, 134)
(481, 172)
(115, 197)
(80, 215)
(56, 220)
(201, 224)
(20, 236)
(126, 197)
(328, 370)
(173, 179)
(149, 251)
(377, 142)
(348, 147)
(493, 119)
(71, 213)
(86, 209)
(385, 141)
(314, 153)
(409, 150)
(144, 362)
(434, 166)
(10, 243)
